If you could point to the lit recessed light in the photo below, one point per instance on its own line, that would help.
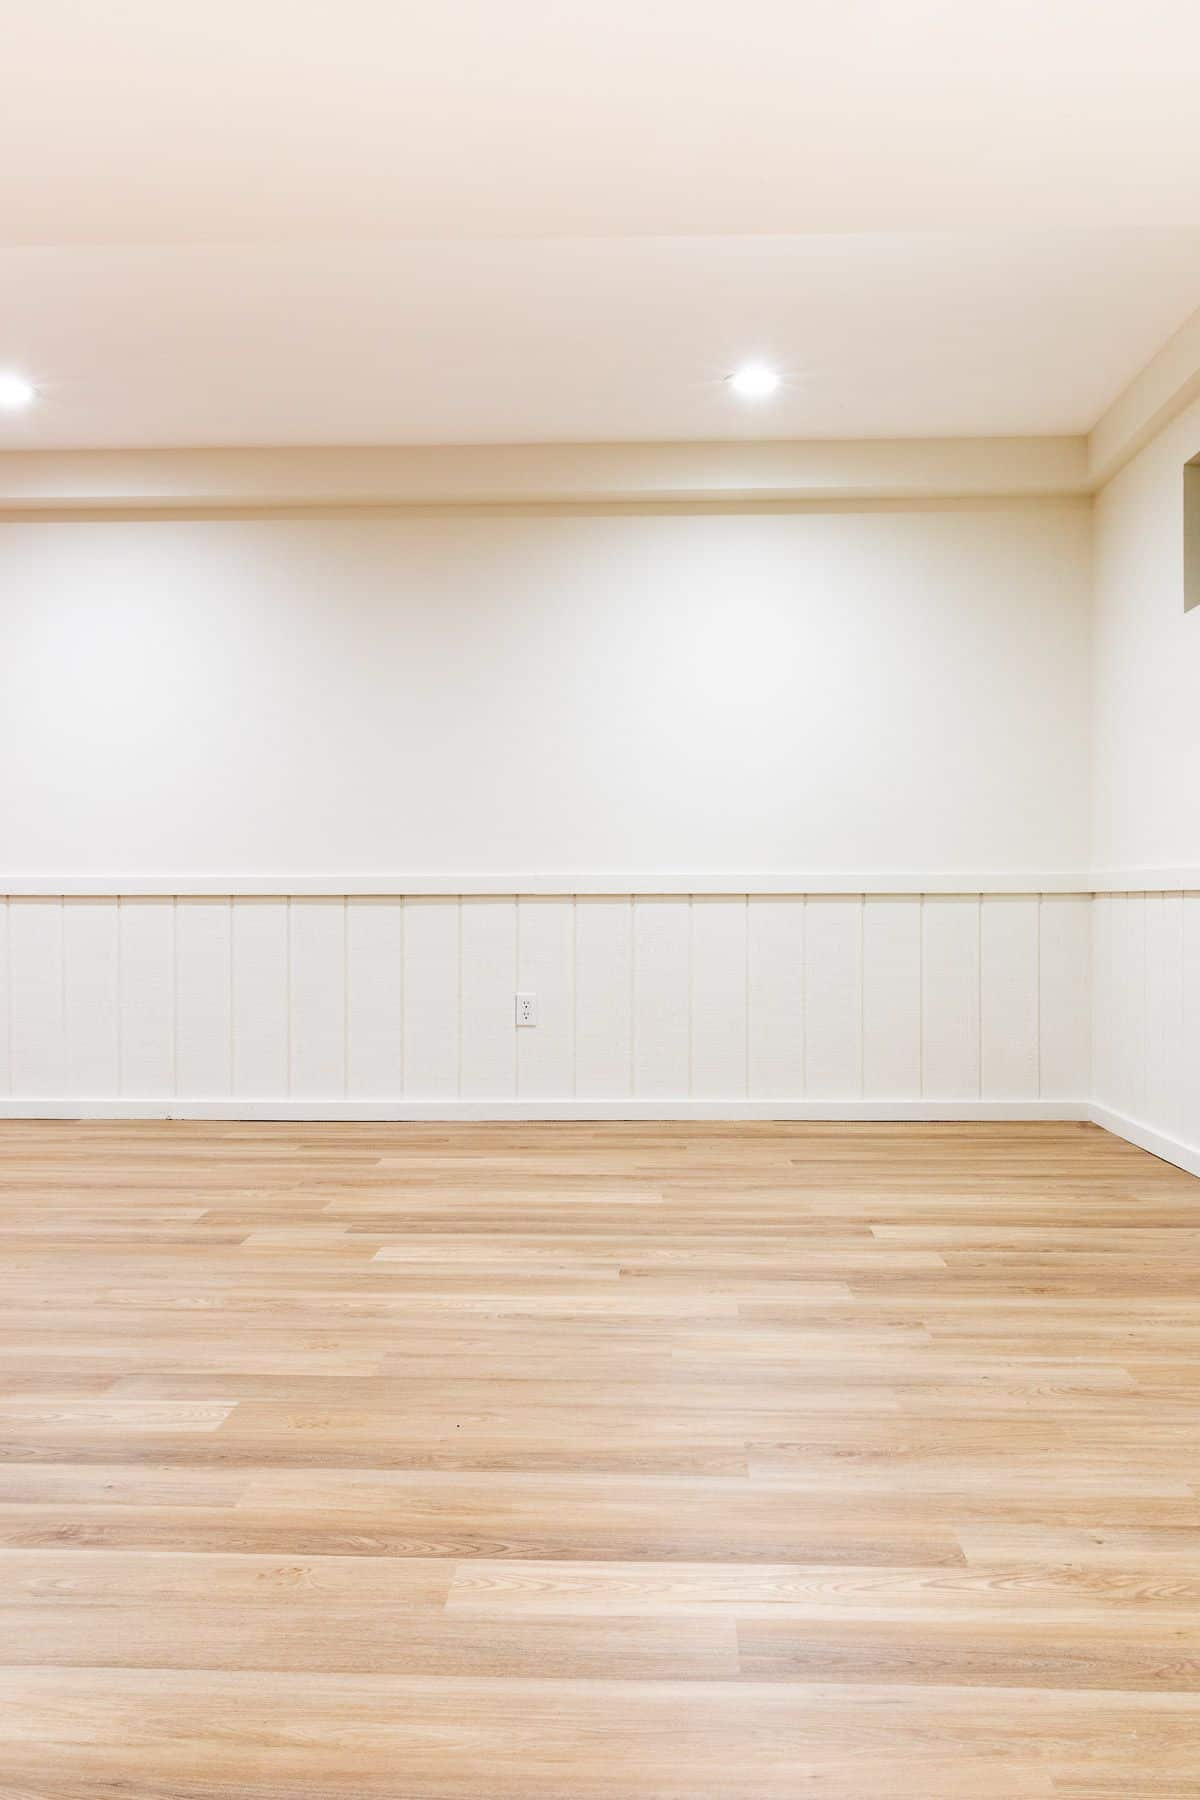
(754, 381)
(15, 391)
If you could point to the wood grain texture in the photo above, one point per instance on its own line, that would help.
(627, 1462)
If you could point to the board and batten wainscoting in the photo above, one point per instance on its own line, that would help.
(1146, 1005)
(849, 1005)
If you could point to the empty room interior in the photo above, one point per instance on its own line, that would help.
(599, 900)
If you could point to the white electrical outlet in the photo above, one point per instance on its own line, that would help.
(526, 1009)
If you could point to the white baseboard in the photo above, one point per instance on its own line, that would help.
(1172, 1150)
(233, 1108)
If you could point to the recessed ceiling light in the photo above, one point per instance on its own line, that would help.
(15, 391)
(754, 381)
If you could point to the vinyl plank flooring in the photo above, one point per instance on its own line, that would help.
(597, 1462)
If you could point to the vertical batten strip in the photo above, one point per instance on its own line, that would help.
(203, 997)
(261, 1029)
(488, 981)
(175, 994)
(719, 997)
(36, 998)
(891, 996)
(432, 997)
(316, 997)
(516, 1043)
(1037, 991)
(950, 1002)
(1065, 980)
(91, 997)
(691, 999)
(345, 996)
(1131, 1033)
(746, 991)
(458, 1012)
(776, 1025)
(374, 998)
(920, 994)
(545, 1053)
(146, 930)
(604, 997)
(1190, 1054)
(662, 1014)
(404, 1048)
(5, 1009)
(862, 990)
(833, 996)
(1008, 996)
(289, 1023)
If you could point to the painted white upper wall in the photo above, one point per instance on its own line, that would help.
(852, 687)
(1146, 664)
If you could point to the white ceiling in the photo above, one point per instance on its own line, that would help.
(586, 339)
(281, 221)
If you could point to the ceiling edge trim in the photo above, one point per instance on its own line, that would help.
(737, 473)
(1169, 382)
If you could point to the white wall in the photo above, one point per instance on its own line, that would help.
(1146, 666)
(1146, 999)
(854, 687)
(848, 687)
(1146, 804)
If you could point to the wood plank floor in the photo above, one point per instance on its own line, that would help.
(622, 1462)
